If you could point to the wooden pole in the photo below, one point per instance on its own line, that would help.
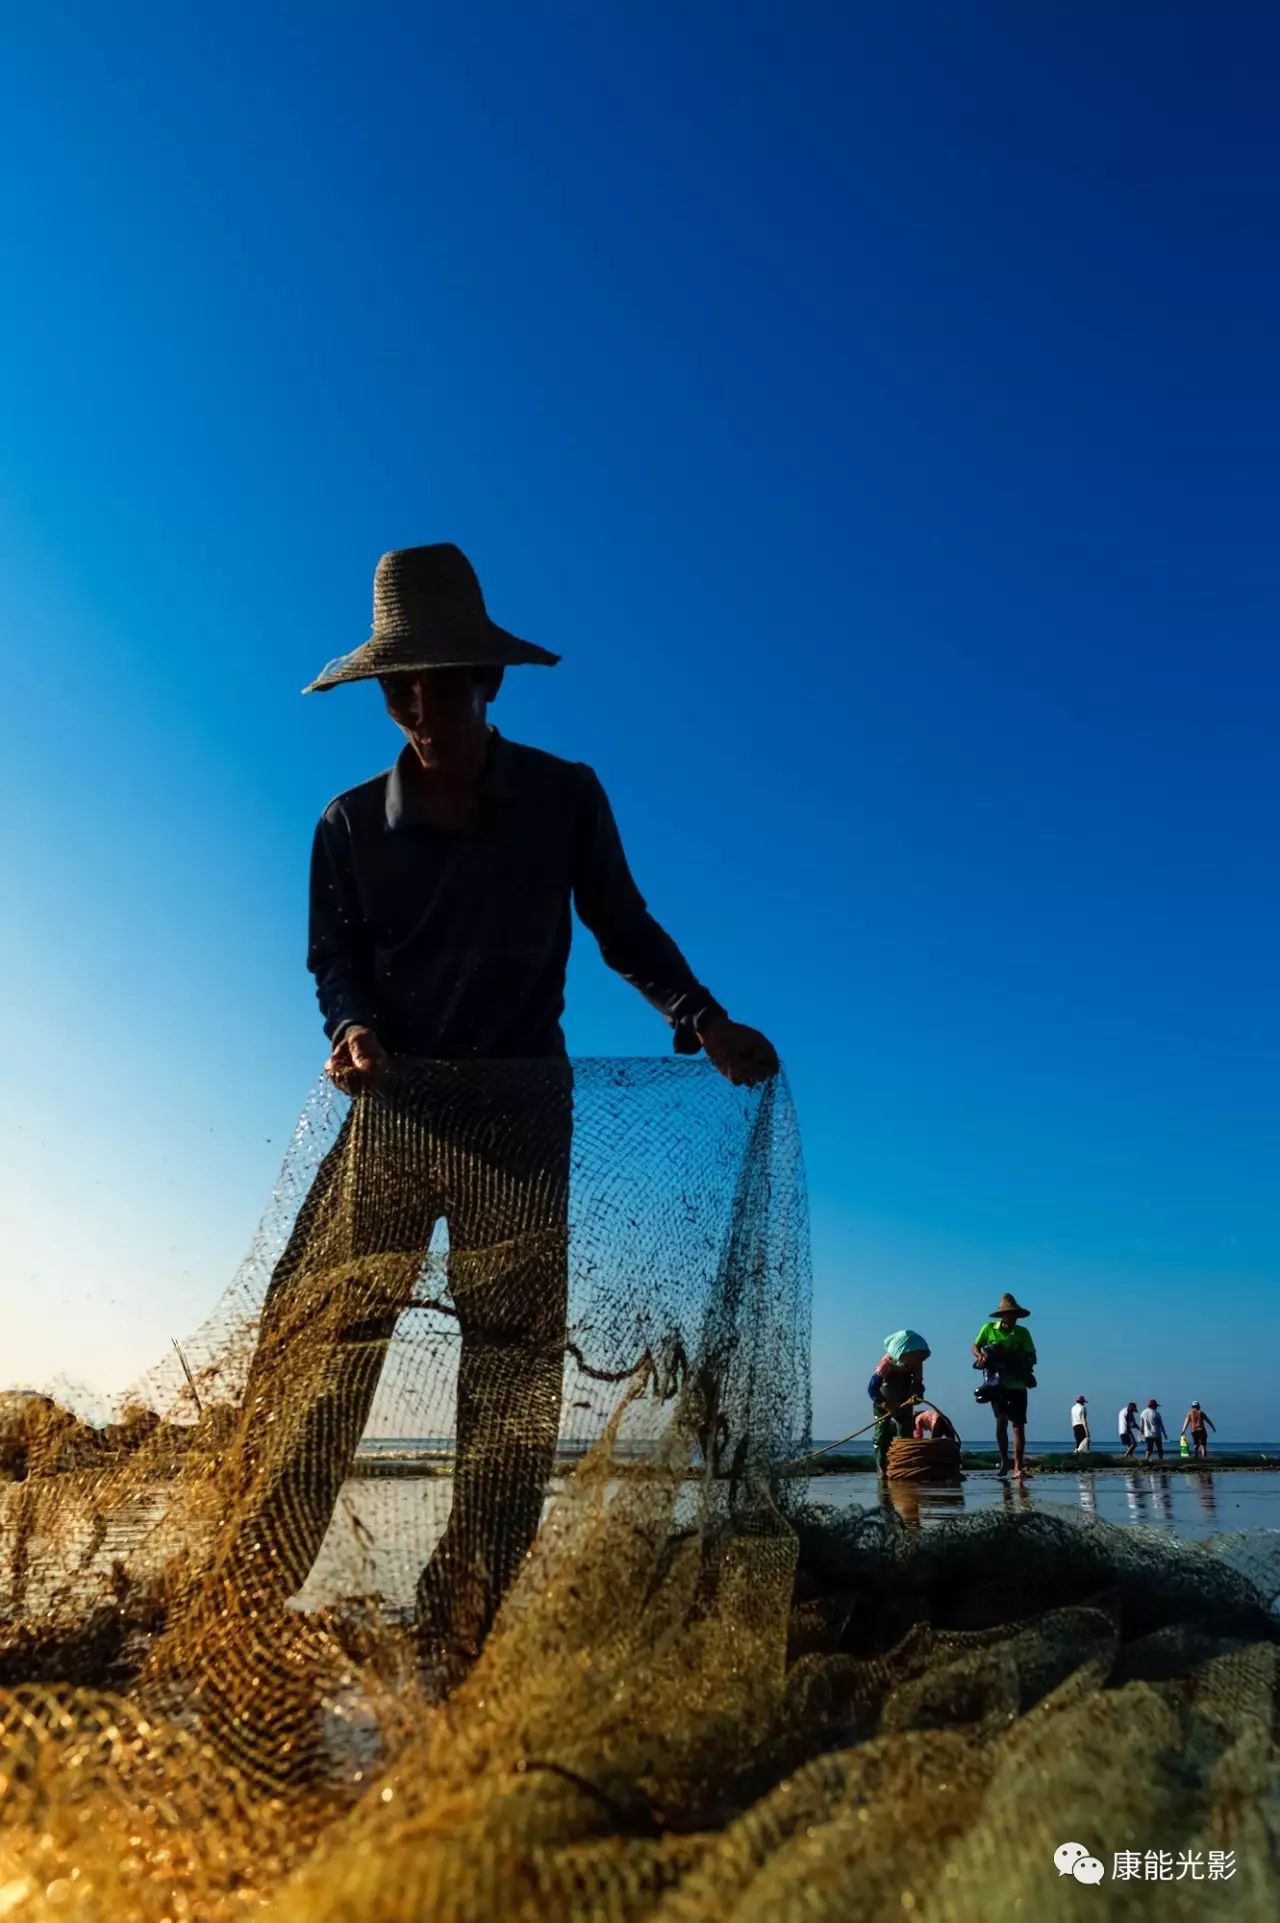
(191, 1381)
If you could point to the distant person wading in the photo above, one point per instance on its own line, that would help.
(441, 912)
(1196, 1425)
(1127, 1427)
(1151, 1425)
(1005, 1353)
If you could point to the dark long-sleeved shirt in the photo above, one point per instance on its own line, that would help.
(453, 942)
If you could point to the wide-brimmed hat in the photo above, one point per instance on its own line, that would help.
(429, 612)
(1008, 1305)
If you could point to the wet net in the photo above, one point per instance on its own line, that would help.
(456, 1571)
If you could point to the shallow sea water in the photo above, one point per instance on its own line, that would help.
(384, 1530)
(1195, 1506)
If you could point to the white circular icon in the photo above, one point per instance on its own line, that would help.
(1088, 1870)
(1067, 1855)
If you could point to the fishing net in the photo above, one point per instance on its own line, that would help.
(462, 1578)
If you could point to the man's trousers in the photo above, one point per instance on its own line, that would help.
(483, 1147)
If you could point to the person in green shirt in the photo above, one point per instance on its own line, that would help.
(1006, 1348)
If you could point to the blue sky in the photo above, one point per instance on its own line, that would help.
(875, 407)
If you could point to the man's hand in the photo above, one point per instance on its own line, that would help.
(359, 1062)
(743, 1055)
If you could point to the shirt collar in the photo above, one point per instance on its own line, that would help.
(404, 796)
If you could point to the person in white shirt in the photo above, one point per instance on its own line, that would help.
(1127, 1423)
(1151, 1423)
(1080, 1425)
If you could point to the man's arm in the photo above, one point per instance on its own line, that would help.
(339, 946)
(340, 956)
(631, 941)
(634, 944)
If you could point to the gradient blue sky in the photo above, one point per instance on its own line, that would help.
(876, 406)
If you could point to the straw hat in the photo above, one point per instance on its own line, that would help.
(429, 612)
(1008, 1305)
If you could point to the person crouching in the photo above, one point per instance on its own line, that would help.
(933, 1426)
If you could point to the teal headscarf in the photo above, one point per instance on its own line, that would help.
(903, 1342)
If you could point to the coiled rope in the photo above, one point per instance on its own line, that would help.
(924, 1461)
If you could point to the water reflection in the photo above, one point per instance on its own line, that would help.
(1149, 1497)
(920, 1502)
(904, 1499)
(1206, 1492)
(1194, 1505)
(1135, 1496)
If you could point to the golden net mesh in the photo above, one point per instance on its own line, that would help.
(560, 1641)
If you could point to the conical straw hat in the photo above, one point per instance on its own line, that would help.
(429, 612)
